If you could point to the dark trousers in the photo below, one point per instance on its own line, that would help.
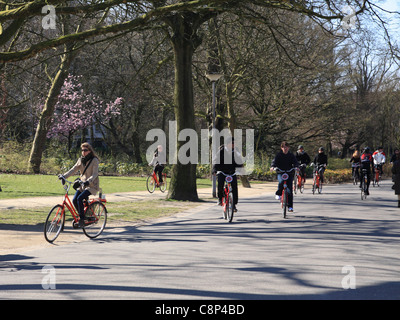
(289, 183)
(158, 170)
(78, 201)
(221, 183)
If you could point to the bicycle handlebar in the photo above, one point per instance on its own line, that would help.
(283, 171)
(226, 175)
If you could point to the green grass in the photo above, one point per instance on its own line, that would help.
(22, 186)
(125, 211)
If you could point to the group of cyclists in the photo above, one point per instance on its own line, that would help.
(284, 160)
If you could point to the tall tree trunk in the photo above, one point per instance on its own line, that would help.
(39, 142)
(184, 42)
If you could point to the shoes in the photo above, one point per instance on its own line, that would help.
(277, 197)
(220, 202)
(367, 193)
(234, 209)
(290, 209)
(81, 223)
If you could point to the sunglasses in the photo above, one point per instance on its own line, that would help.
(85, 150)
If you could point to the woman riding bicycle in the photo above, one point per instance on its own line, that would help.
(227, 160)
(88, 165)
(285, 160)
(356, 163)
(158, 161)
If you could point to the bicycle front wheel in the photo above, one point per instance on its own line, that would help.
(229, 208)
(284, 203)
(150, 184)
(95, 219)
(54, 223)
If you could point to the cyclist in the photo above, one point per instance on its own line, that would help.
(356, 163)
(158, 161)
(396, 178)
(379, 159)
(285, 160)
(88, 165)
(227, 160)
(303, 159)
(320, 162)
(367, 163)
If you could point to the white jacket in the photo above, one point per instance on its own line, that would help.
(379, 158)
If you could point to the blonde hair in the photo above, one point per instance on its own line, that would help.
(88, 145)
(356, 154)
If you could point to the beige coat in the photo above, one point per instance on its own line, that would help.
(91, 174)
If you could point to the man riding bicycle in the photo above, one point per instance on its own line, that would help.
(285, 161)
(304, 160)
(379, 159)
(321, 161)
(367, 164)
(227, 160)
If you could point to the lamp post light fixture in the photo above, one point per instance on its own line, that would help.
(213, 77)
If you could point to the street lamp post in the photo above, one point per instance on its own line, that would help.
(213, 77)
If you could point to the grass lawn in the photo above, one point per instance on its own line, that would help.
(21, 186)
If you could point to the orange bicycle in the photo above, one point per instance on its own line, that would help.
(317, 183)
(299, 181)
(152, 182)
(95, 216)
(377, 175)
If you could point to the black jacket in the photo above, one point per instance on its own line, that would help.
(227, 161)
(321, 158)
(303, 158)
(285, 161)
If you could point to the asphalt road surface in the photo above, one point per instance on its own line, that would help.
(334, 246)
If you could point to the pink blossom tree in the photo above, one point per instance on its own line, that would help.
(77, 110)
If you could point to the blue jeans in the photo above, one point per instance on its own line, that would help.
(78, 202)
(289, 184)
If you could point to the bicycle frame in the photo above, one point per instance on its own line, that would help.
(377, 174)
(68, 203)
(227, 207)
(363, 184)
(285, 191)
(317, 184)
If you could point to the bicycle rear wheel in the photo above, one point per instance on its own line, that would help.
(319, 186)
(302, 185)
(229, 207)
(96, 216)
(54, 223)
(150, 184)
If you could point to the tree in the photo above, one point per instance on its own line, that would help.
(76, 110)
(182, 21)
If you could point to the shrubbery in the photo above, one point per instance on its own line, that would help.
(14, 159)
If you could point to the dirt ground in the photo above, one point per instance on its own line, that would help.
(17, 239)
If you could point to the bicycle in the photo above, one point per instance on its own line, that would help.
(377, 175)
(299, 181)
(364, 184)
(317, 183)
(285, 191)
(152, 182)
(227, 199)
(95, 216)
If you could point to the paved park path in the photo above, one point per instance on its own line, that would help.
(335, 246)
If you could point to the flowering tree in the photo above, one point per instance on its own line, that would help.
(76, 110)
